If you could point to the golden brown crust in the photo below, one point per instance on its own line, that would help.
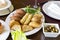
(13, 22)
(34, 24)
(26, 28)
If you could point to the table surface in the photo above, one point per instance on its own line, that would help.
(39, 35)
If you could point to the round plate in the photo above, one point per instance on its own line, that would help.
(30, 32)
(47, 12)
(5, 34)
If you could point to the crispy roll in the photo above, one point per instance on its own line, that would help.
(28, 19)
(24, 18)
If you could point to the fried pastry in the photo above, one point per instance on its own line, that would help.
(18, 15)
(28, 19)
(16, 27)
(34, 24)
(26, 28)
(13, 22)
(24, 18)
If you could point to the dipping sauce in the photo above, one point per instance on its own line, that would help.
(51, 28)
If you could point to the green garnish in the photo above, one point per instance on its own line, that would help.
(28, 9)
(18, 35)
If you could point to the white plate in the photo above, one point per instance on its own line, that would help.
(30, 32)
(5, 34)
(47, 12)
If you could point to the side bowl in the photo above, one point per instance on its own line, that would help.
(51, 34)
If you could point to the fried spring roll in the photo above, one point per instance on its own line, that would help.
(24, 18)
(26, 28)
(28, 19)
(34, 24)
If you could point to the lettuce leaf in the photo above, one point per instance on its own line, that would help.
(18, 35)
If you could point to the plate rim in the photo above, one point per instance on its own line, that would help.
(43, 8)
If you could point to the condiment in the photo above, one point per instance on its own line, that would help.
(50, 28)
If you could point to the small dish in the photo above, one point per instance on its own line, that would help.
(51, 34)
(5, 34)
(6, 10)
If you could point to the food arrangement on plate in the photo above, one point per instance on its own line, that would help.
(26, 20)
(29, 19)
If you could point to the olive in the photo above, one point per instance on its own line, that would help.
(50, 28)
(45, 30)
(56, 30)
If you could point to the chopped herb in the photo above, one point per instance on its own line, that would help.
(28, 9)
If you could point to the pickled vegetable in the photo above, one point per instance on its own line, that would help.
(51, 28)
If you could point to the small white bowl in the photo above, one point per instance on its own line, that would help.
(51, 34)
(6, 10)
(8, 5)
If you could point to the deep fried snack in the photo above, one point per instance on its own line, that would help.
(16, 27)
(28, 19)
(24, 18)
(20, 11)
(34, 24)
(37, 18)
(15, 18)
(18, 15)
(13, 22)
(26, 28)
(38, 15)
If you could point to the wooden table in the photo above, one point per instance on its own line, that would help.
(39, 35)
